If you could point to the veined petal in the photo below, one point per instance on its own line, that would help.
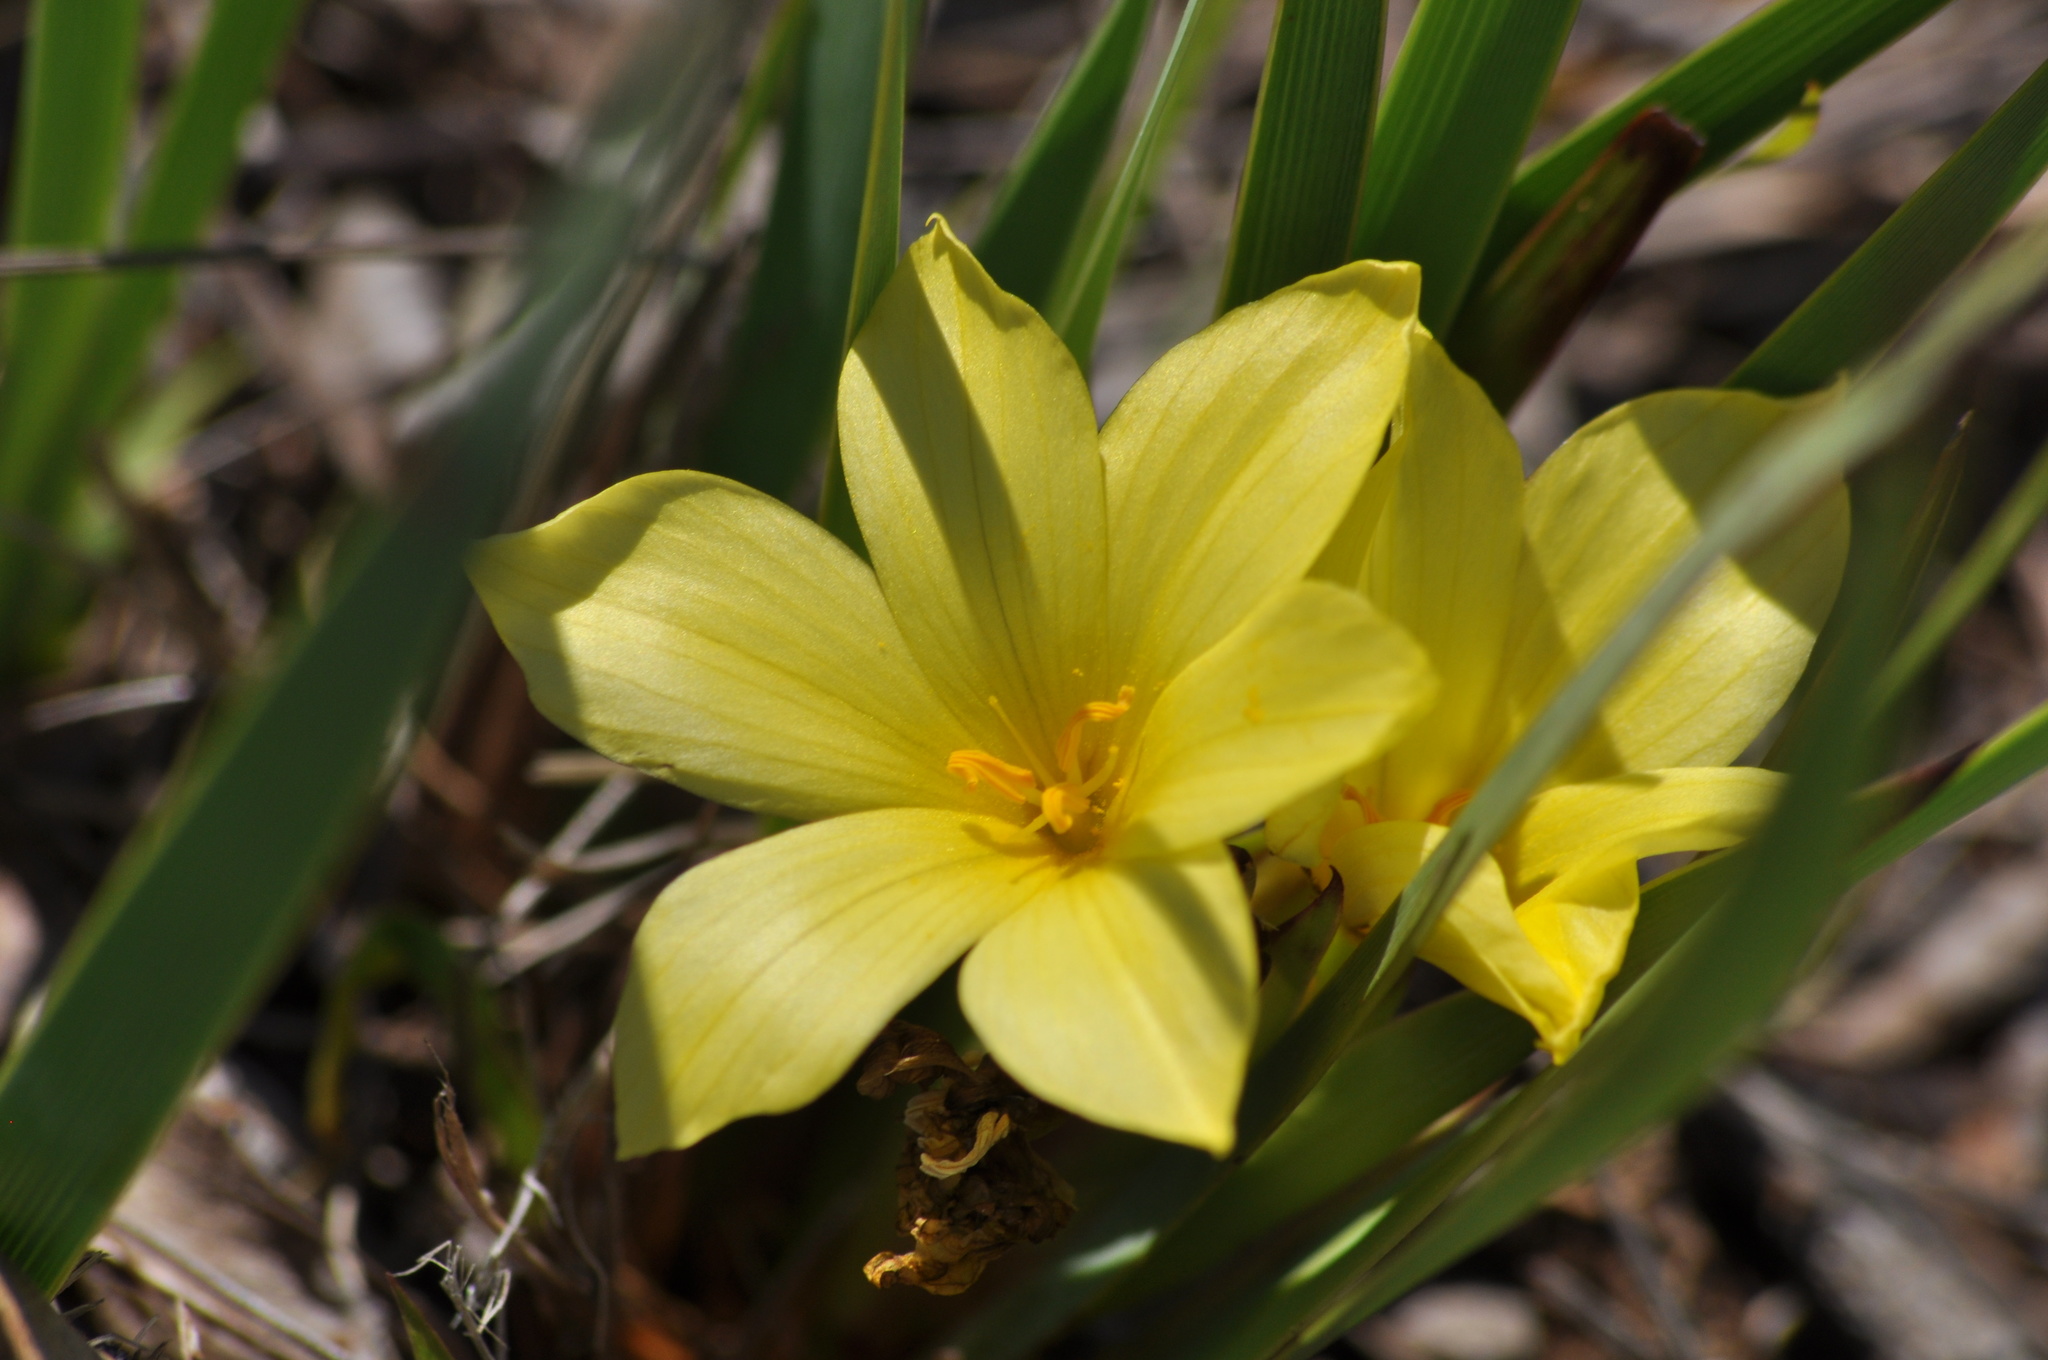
(1125, 992)
(758, 977)
(970, 450)
(695, 628)
(1233, 458)
(1442, 564)
(1628, 817)
(1478, 941)
(1313, 682)
(1605, 516)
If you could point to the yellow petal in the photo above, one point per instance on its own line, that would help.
(1580, 924)
(1125, 993)
(1442, 565)
(1632, 816)
(1231, 461)
(1294, 830)
(695, 628)
(1478, 941)
(1312, 683)
(758, 977)
(970, 450)
(1606, 515)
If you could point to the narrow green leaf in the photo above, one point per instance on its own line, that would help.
(1292, 962)
(2017, 753)
(1463, 96)
(205, 900)
(1075, 307)
(1378, 1096)
(881, 212)
(1038, 212)
(1510, 327)
(420, 1337)
(773, 424)
(1971, 581)
(766, 92)
(77, 106)
(1730, 92)
(78, 102)
(1866, 303)
(881, 200)
(1310, 134)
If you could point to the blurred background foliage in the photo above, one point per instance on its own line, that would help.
(311, 929)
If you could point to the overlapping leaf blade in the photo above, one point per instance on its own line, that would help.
(1461, 101)
(77, 107)
(881, 211)
(204, 901)
(1040, 210)
(1730, 92)
(772, 425)
(1074, 308)
(1865, 304)
(1298, 197)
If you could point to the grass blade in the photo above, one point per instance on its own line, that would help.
(1730, 92)
(1037, 214)
(776, 416)
(1867, 302)
(1075, 307)
(2017, 753)
(1511, 326)
(1378, 1096)
(881, 211)
(1310, 134)
(78, 104)
(1459, 107)
(206, 898)
(1971, 581)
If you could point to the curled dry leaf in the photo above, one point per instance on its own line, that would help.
(969, 1186)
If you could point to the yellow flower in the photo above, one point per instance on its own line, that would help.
(1079, 661)
(1509, 588)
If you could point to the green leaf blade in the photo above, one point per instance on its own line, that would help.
(1038, 213)
(1310, 134)
(776, 416)
(1459, 107)
(1075, 308)
(1864, 305)
(1730, 92)
(208, 896)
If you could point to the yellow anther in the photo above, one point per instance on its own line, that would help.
(1014, 782)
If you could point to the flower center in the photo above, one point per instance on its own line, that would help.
(1067, 808)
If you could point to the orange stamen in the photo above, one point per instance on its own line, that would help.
(1067, 750)
(1449, 806)
(1014, 782)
